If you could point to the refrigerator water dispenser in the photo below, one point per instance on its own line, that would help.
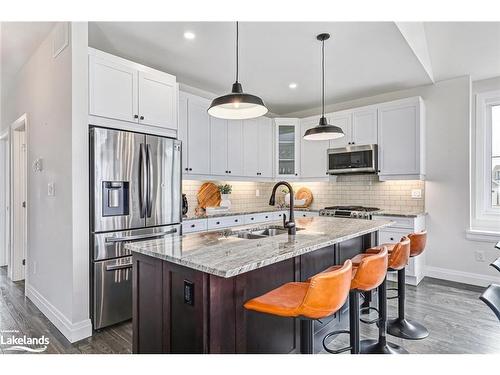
(115, 198)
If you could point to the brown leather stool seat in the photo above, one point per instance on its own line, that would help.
(400, 326)
(368, 273)
(398, 259)
(321, 296)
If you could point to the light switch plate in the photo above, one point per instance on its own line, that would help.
(257, 192)
(416, 193)
(51, 189)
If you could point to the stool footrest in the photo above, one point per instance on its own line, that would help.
(334, 333)
(372, 321)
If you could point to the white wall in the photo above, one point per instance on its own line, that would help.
(47, 89)
(449, 255)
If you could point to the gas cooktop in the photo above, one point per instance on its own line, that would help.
(358, 212)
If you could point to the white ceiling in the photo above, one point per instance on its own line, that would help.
(362, 58)
(18, 42)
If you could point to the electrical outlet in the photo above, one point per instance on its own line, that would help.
(257, 192)
(51, 189)
(416, 193)
(479, 255)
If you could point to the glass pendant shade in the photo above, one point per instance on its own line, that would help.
(237, 105)
(323, 131)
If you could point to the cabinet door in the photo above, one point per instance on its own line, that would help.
(313, 160)
(342, 120)
(250, 148)
(218, 146)
(287, 148)
(364, 127)
(235, 147)
(182, 134)
(266, 145)
(112, 89)
(398, 139)
(157, 99)
(198, 137)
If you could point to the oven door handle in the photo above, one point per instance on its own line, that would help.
(119, 267)
(140, 236)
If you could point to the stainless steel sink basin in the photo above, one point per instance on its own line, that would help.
(263, 232)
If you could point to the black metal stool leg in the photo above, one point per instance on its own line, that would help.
(306, 336)
(381, 346)
(401, 327)
(354, 321)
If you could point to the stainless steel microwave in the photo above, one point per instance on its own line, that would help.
(352, 159)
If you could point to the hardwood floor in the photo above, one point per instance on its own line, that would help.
(457, 320)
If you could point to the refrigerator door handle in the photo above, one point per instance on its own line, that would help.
(149, 204)
(142, 181)
(140, 236)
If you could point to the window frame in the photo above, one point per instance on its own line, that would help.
(484, 217)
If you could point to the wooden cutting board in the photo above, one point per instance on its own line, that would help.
(208, 195)
(304, 193)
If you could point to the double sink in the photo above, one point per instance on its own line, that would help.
(262, 232)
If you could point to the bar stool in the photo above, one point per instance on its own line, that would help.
(398, 259)
(369, 273)
(321, 297)
(491, 296)
(400, 326)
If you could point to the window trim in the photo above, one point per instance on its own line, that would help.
(483, 216)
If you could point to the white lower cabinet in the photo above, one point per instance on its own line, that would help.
(403, 226)
(197, 225)
(298, 214)
(224, 222)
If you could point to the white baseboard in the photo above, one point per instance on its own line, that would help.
(460, 276)
(72, 331)
(410, 280)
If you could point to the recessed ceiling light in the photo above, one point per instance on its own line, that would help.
(189, 35)
(292, 85)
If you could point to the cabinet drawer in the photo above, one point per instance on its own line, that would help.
(399, 222)
(305, 213)
(390, 236)
(191, 226)
(259, 217)
(224, 222)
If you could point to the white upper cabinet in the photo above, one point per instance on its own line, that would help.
(126, 91)
(158, 99)
(313, 159)
(401, 139)
(218, 146)
(194, 133)
(113, 89)
(235, 147)
(258, 147)
(343, 120)
(364, 126)
(287, 147)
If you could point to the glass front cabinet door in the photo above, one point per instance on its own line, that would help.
(287, 147)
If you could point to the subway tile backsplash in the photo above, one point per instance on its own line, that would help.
(364, 190)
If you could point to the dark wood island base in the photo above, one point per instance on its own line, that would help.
(177, 309)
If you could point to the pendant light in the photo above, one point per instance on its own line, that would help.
(237, 105)
(323, 131)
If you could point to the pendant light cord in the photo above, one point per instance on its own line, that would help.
(323, 78)
(237, 50)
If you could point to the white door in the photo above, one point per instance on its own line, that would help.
(112, 90)
(266, 146)
(198, 137)
(182, 134)
(3, 200)
(218, 147)
(343, 121)
(157, 99)
(364, 127)
(398, 139)
(250, 148)
(235, 147)
(313, 160)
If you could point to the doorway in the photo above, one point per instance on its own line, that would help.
(18, 196)
(4, 199)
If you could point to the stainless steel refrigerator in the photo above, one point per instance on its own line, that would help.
(135, 187)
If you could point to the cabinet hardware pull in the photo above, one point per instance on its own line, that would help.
(136, 116)
(218, 222)
(192, 225)
(141, 118)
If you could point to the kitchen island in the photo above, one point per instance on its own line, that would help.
(189, 291)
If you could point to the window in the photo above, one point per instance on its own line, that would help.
(485, 165)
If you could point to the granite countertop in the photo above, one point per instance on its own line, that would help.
(400, 213)
(192, 216)
(223, 254)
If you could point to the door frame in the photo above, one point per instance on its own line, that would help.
(16, 270)
(5, 187)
